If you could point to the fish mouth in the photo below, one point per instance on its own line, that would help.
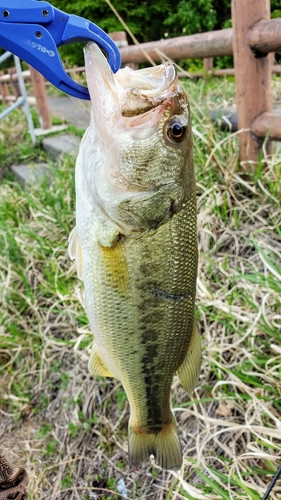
(145, 89)
(127, 93)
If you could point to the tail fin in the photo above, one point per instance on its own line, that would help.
(164, 445)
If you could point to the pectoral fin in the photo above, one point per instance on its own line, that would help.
(189, 370)
(96, 364)
(75, 252)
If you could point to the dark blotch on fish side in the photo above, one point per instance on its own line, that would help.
(145, 270)
(152, 380)
(173, 208)
(158, 414)
(152, 383)
(160, 294)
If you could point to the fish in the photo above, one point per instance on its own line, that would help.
(135, 245)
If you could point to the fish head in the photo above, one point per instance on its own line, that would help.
(138, 152)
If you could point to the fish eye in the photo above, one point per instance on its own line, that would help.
(176, 130)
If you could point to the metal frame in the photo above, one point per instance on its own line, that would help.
(22, 100)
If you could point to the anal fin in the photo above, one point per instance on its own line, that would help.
(189, 370)
(96, 364)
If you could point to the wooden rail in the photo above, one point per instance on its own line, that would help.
(211, 44)
(267, 122)
(264, 37)
(276, 69)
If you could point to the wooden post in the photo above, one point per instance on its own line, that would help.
(208, 66)
(39, 89)
(4, 88)
(253, 76)
(14, 82)
(120, 38)
(208, 63)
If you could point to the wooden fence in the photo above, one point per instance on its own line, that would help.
(251, 40)
(209, 70)
(9, 82)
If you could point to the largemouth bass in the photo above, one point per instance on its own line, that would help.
(135, 244)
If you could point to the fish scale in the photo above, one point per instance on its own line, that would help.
(136, 249)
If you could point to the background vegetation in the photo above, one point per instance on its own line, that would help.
(153, 20)
(69, 429)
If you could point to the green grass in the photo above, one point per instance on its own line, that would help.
(70, 431)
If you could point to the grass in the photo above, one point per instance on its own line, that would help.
(70, 431)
